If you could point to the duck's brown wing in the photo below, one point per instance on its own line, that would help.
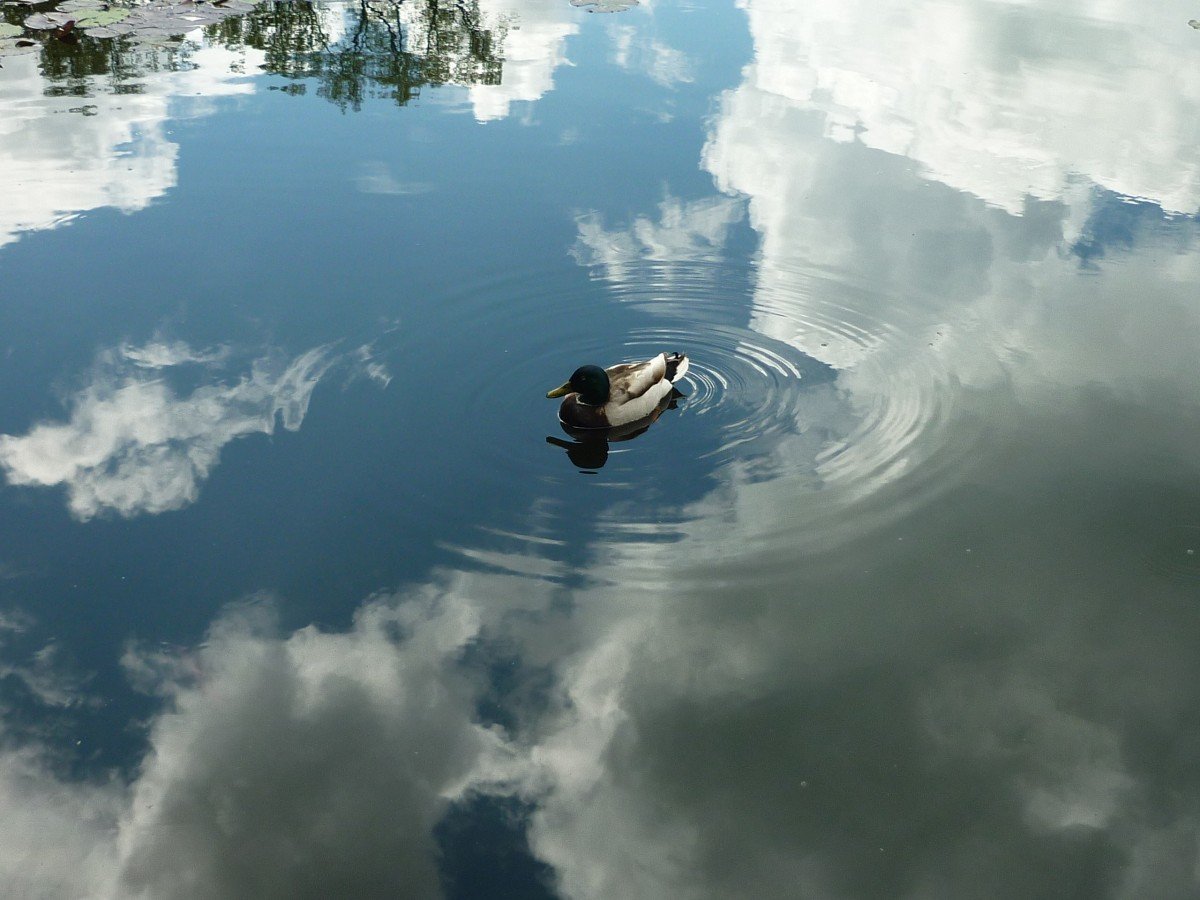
(629, 381)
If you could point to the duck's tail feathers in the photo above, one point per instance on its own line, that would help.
(677, 366)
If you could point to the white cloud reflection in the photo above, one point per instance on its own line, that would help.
(56, 162)
(875, 262)
(48, 675)
(377, 178)
(56, 838)
(314, 761)
(695, 744)
(927, 724)
(637, 51)
(684, 232)
(535, 34)
(930, 724)
(885, 727)
(344, 747)
(64, 155)
(640, 48)
(132, 444)
(1000, 99)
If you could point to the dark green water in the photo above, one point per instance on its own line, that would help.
(297, 599)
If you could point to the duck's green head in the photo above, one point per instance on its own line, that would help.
(589, 382)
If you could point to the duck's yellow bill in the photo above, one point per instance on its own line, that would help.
(560, 391)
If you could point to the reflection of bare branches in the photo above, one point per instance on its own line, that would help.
(74, 69)
(393, 33)
(391, 49)
(364, 13)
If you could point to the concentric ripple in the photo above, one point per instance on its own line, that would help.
(859, 376)
(801, 377)
(746, 388)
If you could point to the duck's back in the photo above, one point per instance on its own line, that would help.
(632, 380)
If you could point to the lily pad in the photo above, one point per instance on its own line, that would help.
(174, 25)
(150, 22)
(605, 6)
(159, 40)
(47, 20)
(99, 18)
(17, 46)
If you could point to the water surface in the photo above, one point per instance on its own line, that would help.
(304, 592)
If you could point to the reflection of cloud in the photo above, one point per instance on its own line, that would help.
(910, 288)
(132, 445)
(48, 676)
(895, 719)
(371, 366)
(47, 673)
(377, 178)
(685, 232)
(56, 835)
(693, 744)
(664, 64)
(667, 65)
(1072, 773)
(1002, 100)
(886, 721)
(315, 762)
(318, 759)
(533, 48)
(701, 746)
(970, 727)
(14, 621)
(163, 355)
(55, 164)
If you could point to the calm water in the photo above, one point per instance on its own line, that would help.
(304, 593)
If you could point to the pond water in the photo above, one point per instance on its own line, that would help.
(304, 591)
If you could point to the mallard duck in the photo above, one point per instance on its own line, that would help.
(589, 449)
(608, 398)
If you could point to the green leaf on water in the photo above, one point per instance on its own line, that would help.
(99, 17)
(44, 21)
(10, 31)
(152, 22)
(605, 6)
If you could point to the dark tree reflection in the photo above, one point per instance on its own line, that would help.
(387, 49)
(76, 69)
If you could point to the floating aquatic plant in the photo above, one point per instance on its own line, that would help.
(605, 6)
(149, 22)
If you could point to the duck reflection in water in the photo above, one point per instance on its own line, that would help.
(589, 448)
